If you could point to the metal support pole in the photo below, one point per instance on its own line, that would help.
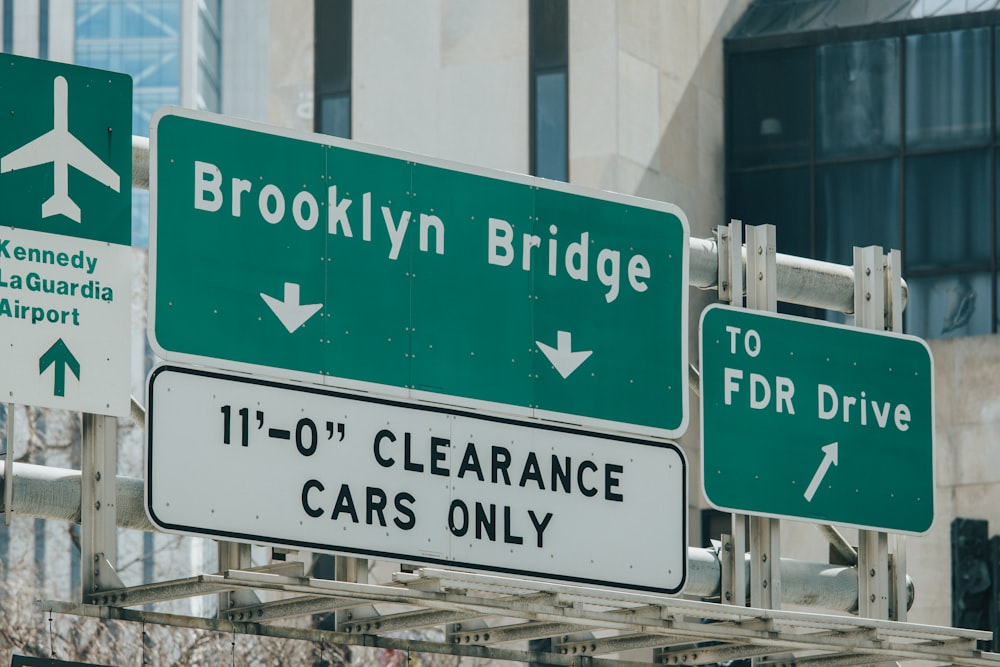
(8, 468)
(898, 594)
(235, 556)
(873, 546)
(98, 513)
(351, 569)
(355, 570)
(739, 575)
(730, 240)
(727, 592)
(894, 291)
(762, 288)
(765, 534)
(730, 255)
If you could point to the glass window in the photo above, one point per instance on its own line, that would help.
(93, 20)
(134, 23)
(8, 26)
(169, 18)
(208, 47)
(549, 114)
(857, 98)
(140, 218)
(778, 197)
(857, 204)
(550, 28)
(769, 107)
(208, 91)
(213, 9)
(947, 88)
(896, 148)
(335, 115)
(948, 211)
(951, 305)
(551, 149)
(333, 66)
(43, 29)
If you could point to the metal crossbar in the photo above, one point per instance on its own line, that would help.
(499, 615)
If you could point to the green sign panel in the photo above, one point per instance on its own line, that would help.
(810, 420)
(65, 149)
(314, 258)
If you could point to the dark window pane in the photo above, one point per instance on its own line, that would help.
(549, 61)
(335, 115)
(43, 29)
(948, 211)
(769, 107)
(549, 33)
(947, 88)
(8, 26)
(856, 205)
(857, 98)
(333, 46)
(952, 305)
(996, 83)
(778, 197)
(551, 153)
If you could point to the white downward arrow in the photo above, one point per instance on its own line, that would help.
(562, 356)
(291, 313)
(829, 459)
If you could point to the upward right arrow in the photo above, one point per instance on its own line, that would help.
(829, 459)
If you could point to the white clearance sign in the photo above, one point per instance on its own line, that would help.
(258, 461)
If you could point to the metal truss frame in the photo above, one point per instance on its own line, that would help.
(485, 616)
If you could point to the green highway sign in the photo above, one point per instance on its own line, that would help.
(66, 149)
(312, 258)
(65, 231)
(810, 420)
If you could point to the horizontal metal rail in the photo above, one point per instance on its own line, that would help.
(46, 492)
(679, 628)
(806, 282)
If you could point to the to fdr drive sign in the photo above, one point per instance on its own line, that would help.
(258, 461)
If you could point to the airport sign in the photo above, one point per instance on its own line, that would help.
(65, 229)
(66, 149)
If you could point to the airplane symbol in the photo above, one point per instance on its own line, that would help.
(62, 149)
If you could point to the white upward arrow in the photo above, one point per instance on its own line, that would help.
(562, 356)
(829, 459)
(291, 313)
